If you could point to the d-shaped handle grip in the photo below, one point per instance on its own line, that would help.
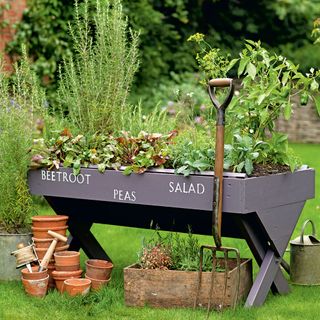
(220, 107)
(221, 82)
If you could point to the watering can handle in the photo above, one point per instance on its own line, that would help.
(304, 226)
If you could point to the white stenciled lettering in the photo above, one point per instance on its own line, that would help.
(65, 177)
(187, 188)
(178, 188)
(124, 195)
(58, 176)
(200, 188)
(80, 178)
(59, 173)
(87, 176)
(72, 178)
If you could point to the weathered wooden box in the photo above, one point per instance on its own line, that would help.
(173, 288)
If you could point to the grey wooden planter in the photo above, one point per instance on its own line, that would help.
(262, 210)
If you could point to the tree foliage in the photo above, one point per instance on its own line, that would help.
(165, 25)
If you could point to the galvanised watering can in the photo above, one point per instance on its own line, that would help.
(305, 258)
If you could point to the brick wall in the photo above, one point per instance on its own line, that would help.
(12, 15)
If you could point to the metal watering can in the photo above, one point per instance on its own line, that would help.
(305, 258)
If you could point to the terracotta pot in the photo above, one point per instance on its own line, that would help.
(42, 251)
(67, 258)
(97, 284)
(36, 288)
(34, 275)
(77, 286)
(51, 268)
(72, 267)
(60, 276)
(99, 269)
(45, 243)
(42, 233)
(49, 222)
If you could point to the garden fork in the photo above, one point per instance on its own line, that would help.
(217, 197)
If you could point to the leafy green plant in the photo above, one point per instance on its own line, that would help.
(95, 81)
(21, 104)
(269, 82)
(174, 252)
(192, 152)
(137, 154)
(316, 30)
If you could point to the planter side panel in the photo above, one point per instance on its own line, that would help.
(171, 288)
(277, 190)
(155, 189)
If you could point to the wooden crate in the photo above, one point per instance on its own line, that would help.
(172, 288)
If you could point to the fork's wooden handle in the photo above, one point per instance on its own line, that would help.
(221, 82)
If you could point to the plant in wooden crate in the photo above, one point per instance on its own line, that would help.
(166, 275)
(21, 101)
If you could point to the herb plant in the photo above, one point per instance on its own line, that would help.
(173, 251)
(22, 101)
(95, 81)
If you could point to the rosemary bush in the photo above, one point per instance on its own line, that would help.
(21, 103)
(96, 80)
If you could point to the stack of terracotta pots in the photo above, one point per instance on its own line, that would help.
(99, 272)
(42, 240)
(35, 283)
(67, 266)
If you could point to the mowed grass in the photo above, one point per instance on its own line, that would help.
(123, 244)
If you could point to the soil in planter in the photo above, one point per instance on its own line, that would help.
(267, 169)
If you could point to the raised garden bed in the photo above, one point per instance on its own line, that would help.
(262, 210)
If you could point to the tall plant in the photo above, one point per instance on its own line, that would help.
(96, 80)
(21, 102)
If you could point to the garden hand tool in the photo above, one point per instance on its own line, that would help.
(218, 193)
(45, 261)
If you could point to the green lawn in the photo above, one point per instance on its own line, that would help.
(123, 244)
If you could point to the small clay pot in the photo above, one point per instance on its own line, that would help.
(60, 276)
(67, 258)
(45, 243)
(35, 274)
(72, 267)
(98, 269)
(36, 288)
(77, 286)
(51, 267)
(97, 284)
(49, 222)
(42, 233)
(42, 251)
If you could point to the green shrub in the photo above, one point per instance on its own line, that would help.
(164, 27)
(21, 103)
(96, 79)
